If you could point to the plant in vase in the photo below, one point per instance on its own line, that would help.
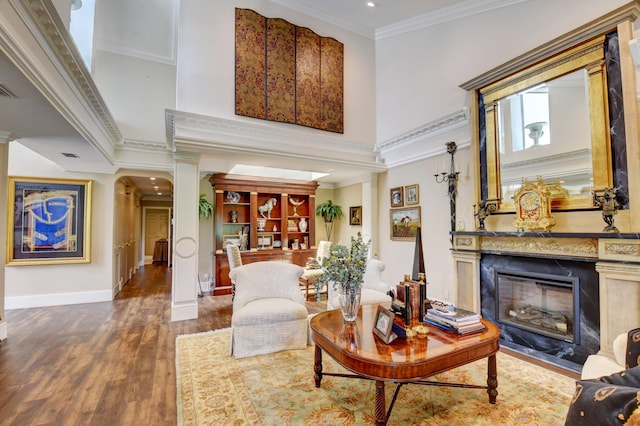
(344, 269)
(329, 213)
(205, 207)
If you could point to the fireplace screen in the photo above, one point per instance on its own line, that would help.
(540, 303)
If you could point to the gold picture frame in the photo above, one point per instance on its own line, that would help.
(404, 223)
(232, 239)
(383, 324)
(48, 221)
(355, 215)
(411, 195)
(265, 242)
(396, 196)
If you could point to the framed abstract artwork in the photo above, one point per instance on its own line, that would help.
(49, 221)
(404, 223)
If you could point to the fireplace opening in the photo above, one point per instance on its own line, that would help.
(540, 303)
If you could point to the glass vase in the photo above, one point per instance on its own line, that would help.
(349, 299)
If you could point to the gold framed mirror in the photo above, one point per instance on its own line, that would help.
(550, 119)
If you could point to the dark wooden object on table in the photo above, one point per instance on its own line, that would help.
(403, 361)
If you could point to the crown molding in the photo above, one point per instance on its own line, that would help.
(320, 13)
(441, 16)
(427, 140)
(188, 131)
(77, 99)
(6, 137)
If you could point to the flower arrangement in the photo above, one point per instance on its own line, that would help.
(345, 267)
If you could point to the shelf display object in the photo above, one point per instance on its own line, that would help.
(268, 220)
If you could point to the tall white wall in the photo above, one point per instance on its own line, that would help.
(206, 66)
(418, 73)
(134, 65)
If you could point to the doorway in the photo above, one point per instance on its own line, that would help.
(156, 234)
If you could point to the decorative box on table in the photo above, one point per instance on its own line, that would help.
(414, 292)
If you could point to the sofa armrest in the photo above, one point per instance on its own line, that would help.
(620, 348)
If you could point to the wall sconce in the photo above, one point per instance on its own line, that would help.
(452, 179)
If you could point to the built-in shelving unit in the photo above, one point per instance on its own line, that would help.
(268, 220)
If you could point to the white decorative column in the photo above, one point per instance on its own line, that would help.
(466, 270)
(184, 295)
(619, 289)
(4, 160)
(369, 217)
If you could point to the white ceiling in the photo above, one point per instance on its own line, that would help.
(356, 16)
(31, 117)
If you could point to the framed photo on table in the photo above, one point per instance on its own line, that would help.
(397, 197)
(383, 324)
(49, 221)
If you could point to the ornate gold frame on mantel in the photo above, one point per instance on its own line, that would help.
(580, 49)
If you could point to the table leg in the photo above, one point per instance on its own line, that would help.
(317, 366)
(381, 412)
(492, 379)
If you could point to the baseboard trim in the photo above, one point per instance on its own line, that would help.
(56, 299)
(184, 311)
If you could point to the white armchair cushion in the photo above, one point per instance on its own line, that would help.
(261, 280)
(373, 276)
(264, 311)
(374, 290)
(620, 349)
(601, 365)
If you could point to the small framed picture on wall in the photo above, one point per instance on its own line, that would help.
(412, 196)
(355, 213)
(397, 197)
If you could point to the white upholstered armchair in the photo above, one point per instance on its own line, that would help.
(269, 314)
(374, 290)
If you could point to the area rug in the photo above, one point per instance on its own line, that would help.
(213, 388)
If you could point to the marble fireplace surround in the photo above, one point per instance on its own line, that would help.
(611, 259)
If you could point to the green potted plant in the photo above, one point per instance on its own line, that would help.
(344, 269)
(206, 208)
(329, 213)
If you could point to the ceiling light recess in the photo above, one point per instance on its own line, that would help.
(272, 172)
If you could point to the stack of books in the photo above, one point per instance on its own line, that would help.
(452, 318)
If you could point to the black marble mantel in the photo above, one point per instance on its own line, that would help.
(598, 235)
(551, 253)
(569, 355)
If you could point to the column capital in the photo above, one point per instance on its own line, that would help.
(186, 157)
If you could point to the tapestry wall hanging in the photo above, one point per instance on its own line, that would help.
(49, 221)
(288, 73)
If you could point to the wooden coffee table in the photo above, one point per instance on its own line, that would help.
(403, 361)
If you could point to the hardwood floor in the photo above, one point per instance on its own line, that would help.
(108, 363)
